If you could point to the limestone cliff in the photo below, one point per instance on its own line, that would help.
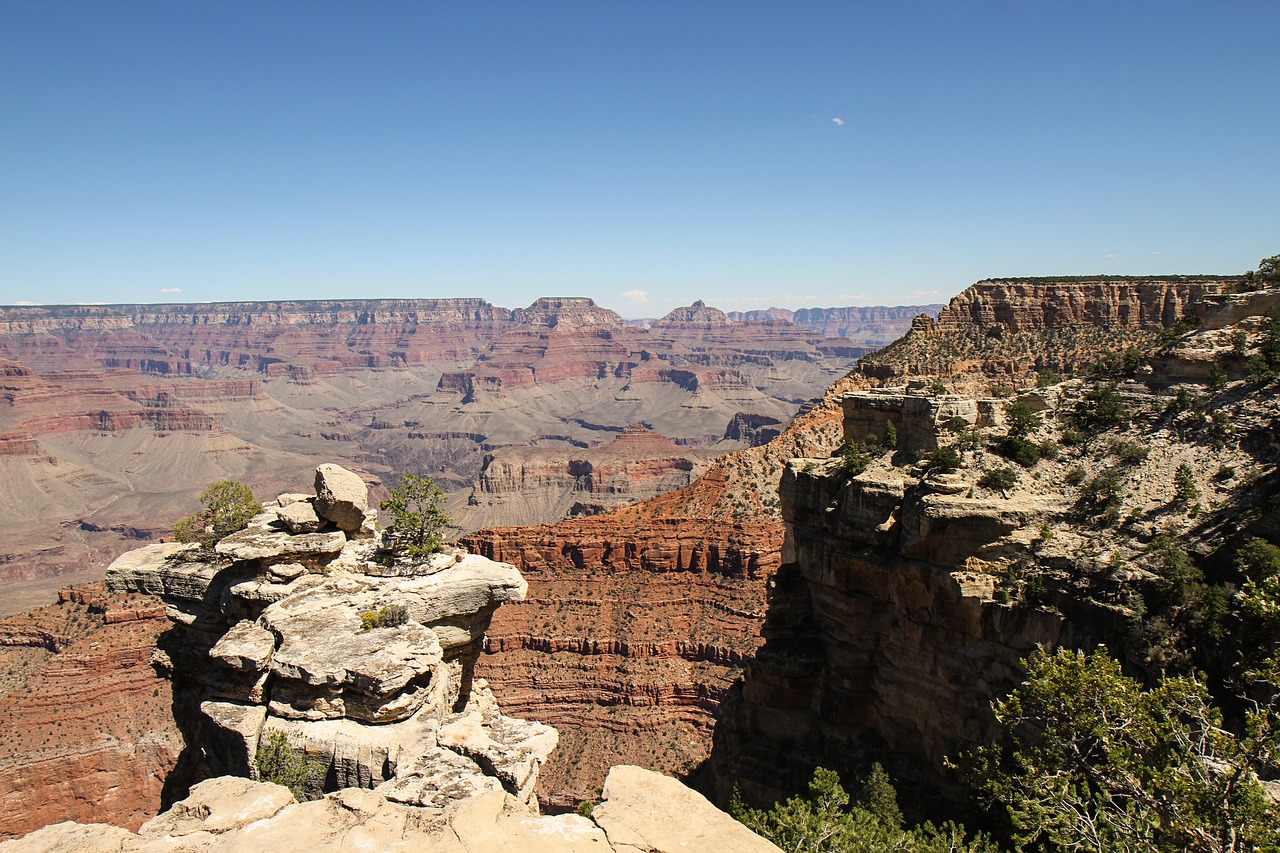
(1006, 331)
(301, 624)
(906, 597)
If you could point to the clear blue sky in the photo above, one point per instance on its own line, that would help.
(642, 153)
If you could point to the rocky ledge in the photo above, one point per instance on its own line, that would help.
(642, 810)
(303, 624)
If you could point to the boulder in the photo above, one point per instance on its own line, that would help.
(300, 517)
(643, 810)
(341, 497)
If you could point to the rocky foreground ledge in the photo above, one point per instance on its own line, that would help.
(305, 625)
(641, 811)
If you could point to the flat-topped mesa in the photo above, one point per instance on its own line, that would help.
(1130, 303)
(303, 623)
(38, 318)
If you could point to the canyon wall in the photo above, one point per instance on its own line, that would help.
(114, 417)
(1008, 331)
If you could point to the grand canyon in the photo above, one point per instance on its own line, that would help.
(734, 618)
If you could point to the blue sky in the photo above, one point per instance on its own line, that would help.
(645, 154)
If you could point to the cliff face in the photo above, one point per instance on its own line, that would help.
(112, 416)
(638, 621)
(87, 733)
(1005, 332)
(906, 599)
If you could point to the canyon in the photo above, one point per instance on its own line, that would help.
(775, 614)
(114, 417)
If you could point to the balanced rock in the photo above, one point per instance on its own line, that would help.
(341, 496)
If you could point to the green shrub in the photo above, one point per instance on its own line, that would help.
(1094, 756)
(1105, 491)
(1184, 484)
(388, 617)
(228, 507)
(1100, 409)
(280, 763)
(1045, 378)
(943, 460)
(999, 479)
(1021, 419)
(890, 435)
(1129, 452)
(826, 821)
(856, 458)
(417, 521)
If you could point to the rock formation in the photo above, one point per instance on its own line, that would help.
(111, 417)
(302, 624)
(906, 598)
(1006, 331)
(641, 810)
(86, 731)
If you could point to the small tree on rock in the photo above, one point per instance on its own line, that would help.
(228, 506)
(418, 522)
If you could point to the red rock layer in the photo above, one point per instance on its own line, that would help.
(638, 621)
(86, 731)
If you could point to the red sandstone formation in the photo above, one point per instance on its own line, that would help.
(85, 728)
(113, 418)
(638, 621)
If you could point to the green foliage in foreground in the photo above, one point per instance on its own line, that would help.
(856, 457)
(417, 521)
(1099, 764)
(280, 763)
(228, 506)
(826, 822)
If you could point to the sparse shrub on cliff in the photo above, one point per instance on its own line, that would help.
(280, 763)
(1104, 492)
(826, 821)
(943, 460)
(1098, 763)
(388, 617)
(1184, 484)
(1021, 420)
(417, 521)
(856, 458)
(1266, 275)
(1129, 452)
(999, 479)
(1045, 378)
(890, 436)
(228, 506)
(1100, 409)
(1265, 365)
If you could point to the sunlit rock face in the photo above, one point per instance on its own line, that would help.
(362, 659)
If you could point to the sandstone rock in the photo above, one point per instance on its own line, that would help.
(235, 731)
(256, 544)
(341, 497)
(293, 498)
(219, 805)
(287, 571)
(642, 811)
(300, 517)
(634, 797)
(246, 646)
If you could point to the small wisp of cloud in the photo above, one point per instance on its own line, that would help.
(171, 290)
(636, 297)
(838, 121)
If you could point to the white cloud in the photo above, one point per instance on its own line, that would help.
(839, 121)
(1111, 255)
(930, 293)
(171, 290)
(636, 297)
(1155, 253)
(23, 302)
